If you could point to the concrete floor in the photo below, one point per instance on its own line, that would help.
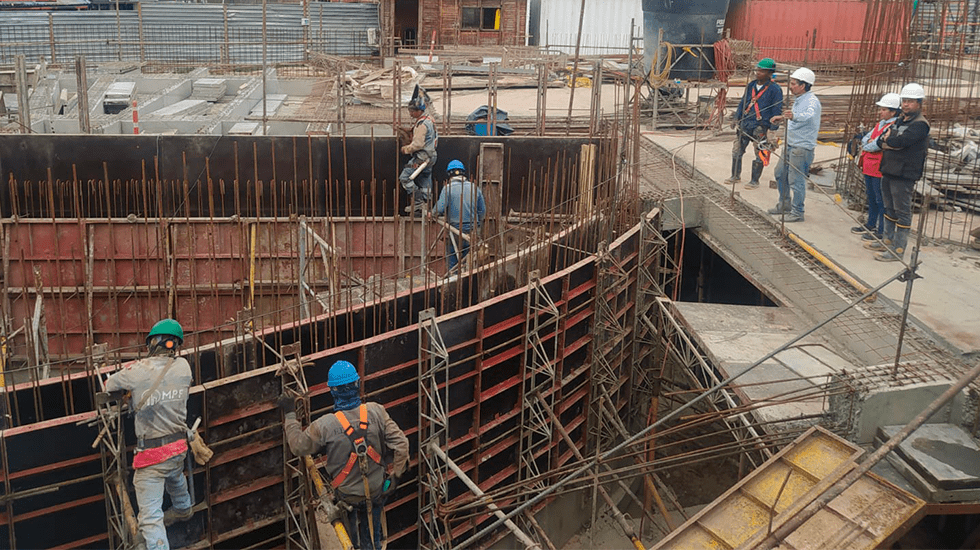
(946, 299)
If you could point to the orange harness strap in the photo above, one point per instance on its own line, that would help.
(356, 442)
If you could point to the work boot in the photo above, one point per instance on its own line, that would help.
(886, 256)
(888, 229)
(752, 185)
(780, 208)
(757, 168)
(899, 244)
(872, 237)
(878, 245)
(791, 218)
(415, 208)
(859, 229)
(174, 515)
(736, 171)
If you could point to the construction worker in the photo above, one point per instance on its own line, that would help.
(159, 386)
(762, 99)
(801, 139)
(889, 107)
(366, 452)
(905, 145)
(425, 139)
(462, 203)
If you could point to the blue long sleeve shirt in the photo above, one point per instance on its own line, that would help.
(770, 104)
(462, 203)
(802, 130)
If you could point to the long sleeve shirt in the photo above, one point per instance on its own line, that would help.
(462, 203)
(768, 103)
(802, 130)
(164, 412)
(326, 434)
(871, 145)
(425, 139)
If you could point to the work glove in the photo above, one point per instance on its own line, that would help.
(287, 404)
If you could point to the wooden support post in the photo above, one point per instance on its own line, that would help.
(81, 80)
(54, 58)
(23, 99)
(586, 180)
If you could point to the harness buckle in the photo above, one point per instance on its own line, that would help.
(360, 447)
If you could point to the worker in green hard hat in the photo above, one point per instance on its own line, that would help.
(159, 385)
(762, 100)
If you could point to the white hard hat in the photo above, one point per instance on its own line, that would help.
(804, 75)
(891, 100)
(913, 91)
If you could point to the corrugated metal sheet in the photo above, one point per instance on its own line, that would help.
(605, 29)
(865, 516)
(806, 32)
(191, 33)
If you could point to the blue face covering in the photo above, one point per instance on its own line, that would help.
(346, 397)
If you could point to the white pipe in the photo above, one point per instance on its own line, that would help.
(521, 536)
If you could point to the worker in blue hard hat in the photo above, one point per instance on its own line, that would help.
(462, 202)
(762, 100)
(365, 449)
(159, 385)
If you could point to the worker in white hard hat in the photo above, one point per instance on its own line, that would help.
(889, 107)
(801, 139)
(905, 145)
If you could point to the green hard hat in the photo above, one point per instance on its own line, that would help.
(766, 63)
(166, 327)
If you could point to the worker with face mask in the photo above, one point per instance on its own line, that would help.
(365, 449)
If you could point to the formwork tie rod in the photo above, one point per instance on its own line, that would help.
(690, 404)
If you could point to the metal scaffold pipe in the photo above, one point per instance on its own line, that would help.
(677, 412)
(527, 541)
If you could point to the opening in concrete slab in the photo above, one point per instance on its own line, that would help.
(708, 278)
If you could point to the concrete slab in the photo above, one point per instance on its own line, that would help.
(733, 337)
(944, 454)
(186, 107)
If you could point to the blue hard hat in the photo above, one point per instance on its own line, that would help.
(455, 165)
(342, 373)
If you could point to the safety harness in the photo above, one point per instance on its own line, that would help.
(360, 454)
(362, 450)
(754, 102)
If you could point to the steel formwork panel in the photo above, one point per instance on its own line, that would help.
(243, 426)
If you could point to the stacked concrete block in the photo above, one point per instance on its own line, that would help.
(118, 97)
(209, 89)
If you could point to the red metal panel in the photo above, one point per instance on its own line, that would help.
(785, 29)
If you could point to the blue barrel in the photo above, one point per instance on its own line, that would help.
(684, 22)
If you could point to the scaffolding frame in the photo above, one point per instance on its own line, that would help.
(297, 494)
(433, 492)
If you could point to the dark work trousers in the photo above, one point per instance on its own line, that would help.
(896, 193)
(742, 140)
